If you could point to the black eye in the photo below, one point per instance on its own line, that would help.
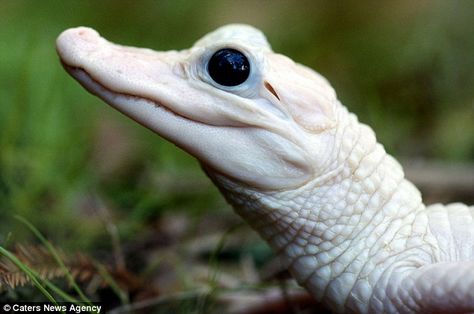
(228, 67)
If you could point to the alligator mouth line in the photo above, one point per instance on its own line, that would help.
(97, 88)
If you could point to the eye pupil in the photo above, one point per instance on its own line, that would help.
(228, 67)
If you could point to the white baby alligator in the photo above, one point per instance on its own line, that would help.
(295, 164)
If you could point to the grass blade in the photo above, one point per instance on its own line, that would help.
(29, 272)
(58, 259)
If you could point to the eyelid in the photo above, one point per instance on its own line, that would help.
(248, 88)
(225, 60)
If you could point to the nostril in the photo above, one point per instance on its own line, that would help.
(75, 44)
(83, 34)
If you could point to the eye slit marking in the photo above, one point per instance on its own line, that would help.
(271, 89)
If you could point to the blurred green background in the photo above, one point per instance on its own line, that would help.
(405, 67)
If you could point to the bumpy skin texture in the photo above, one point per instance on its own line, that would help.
(361, 240)
(297, 166)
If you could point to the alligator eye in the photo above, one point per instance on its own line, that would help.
(228, 67)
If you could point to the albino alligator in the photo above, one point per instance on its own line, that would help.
(295, 164)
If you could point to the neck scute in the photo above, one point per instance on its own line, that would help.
(327, 230)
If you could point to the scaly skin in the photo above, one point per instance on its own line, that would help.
(297, 166)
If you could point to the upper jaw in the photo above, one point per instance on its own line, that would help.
(106, 68)
(166, 78)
